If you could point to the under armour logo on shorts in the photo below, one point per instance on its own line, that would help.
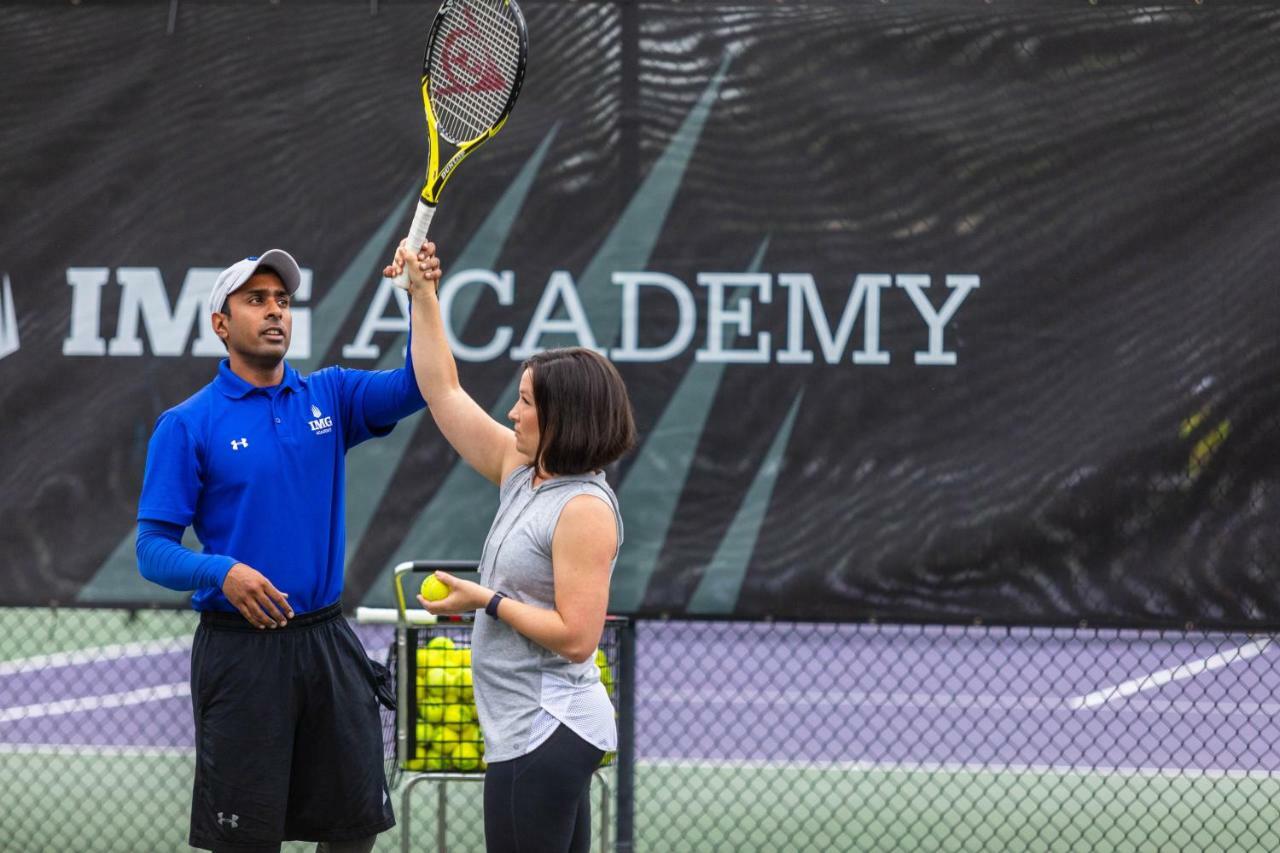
(234, 820)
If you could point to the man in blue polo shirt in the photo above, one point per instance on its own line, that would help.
(288, 738)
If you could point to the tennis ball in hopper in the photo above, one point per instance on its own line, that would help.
(458, 713)
(466, 757)
(437, 654)
(447, 738)
(437, 683)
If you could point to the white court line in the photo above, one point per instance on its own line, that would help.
(942, 701)
(96, 654)
(94, 703)
(954, 767)
(828, 698)
(1164, 676)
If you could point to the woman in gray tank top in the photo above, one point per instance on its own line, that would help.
(545, 568)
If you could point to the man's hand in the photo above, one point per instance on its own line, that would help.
(256, 599)
(424, 270)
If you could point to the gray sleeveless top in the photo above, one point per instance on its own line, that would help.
(523, 690)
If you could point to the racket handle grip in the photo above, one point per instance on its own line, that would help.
(417, 233)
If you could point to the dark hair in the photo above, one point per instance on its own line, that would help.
(584, 414)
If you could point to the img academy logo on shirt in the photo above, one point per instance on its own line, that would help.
(322, 423)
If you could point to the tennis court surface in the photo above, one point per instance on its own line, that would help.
(750, 736)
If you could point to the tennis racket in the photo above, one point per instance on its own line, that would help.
(471, 74)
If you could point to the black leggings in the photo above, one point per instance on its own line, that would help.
(541, 802)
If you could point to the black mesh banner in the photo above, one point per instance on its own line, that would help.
(929, 310)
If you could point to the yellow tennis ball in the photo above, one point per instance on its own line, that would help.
(466, 757)
(447, 739)
(464, 685)
(436, 758)
(433, 589)
(458, 714)
(432, 712)
(606, 675)
(437, 684)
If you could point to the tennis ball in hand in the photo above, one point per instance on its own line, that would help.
(433, 589)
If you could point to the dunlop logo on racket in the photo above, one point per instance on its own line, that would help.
(472, 71)
(466, 71)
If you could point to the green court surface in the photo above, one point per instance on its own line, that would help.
(136, 803)
(28, 632)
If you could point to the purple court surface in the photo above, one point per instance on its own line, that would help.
(811, 694)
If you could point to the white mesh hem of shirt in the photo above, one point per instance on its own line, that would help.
(587, 711)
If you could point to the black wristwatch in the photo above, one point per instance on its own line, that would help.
(492, 607)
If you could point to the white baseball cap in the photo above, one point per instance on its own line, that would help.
(230, 279)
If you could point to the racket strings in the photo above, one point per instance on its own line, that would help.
(472, 68)
(469, 111)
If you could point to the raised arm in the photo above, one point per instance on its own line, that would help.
(485, 444)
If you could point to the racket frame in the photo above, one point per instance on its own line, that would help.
(437, 177)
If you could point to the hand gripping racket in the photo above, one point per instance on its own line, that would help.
(471, 74)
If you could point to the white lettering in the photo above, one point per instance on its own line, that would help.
(730, 304)
(560, 288)
(86, 311)
(687, 312)
(375, 322)
(802, 292)
(936, 319)
(718, 316)
(142, 294)
(504, 284)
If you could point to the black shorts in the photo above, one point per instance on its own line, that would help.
(288, 735)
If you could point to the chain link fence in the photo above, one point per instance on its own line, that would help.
(757, 736)
(748, 736)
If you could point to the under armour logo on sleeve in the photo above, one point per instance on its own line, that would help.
(242, 443)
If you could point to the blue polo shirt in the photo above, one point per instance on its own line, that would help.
(259, 473)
